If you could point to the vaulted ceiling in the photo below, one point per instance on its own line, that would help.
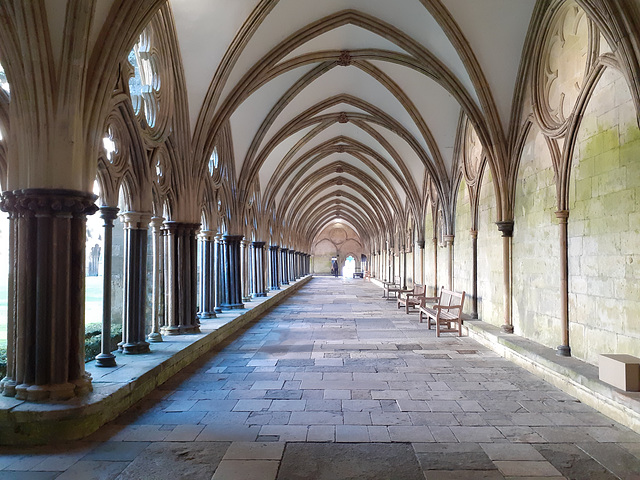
(349, 109)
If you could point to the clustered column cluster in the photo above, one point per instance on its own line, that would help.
(195, 274)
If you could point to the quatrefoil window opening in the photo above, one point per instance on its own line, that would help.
(145, 83)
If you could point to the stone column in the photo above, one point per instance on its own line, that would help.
(273, 252)
(105, 358)
(404, 267)
(207, 275)
(136, 227)
(507, 234)
(421, 261)
(435, 266)
(474, 273)
(45, 341)
(564, 349)
(448, 240)
(158, 262)
(257, 249)
(285, 266)
(218, 266)
(181, 278)
(232, 291)
(247, 269)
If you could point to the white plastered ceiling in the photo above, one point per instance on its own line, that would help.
(394, 106)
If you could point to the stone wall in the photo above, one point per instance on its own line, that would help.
(463, 248)
(490, 278)
(604, 226)
(536, 247)
(335, 240)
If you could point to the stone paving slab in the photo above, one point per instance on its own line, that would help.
(308, 383)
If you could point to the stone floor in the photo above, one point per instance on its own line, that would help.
(336, 383)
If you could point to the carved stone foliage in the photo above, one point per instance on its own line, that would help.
(563, 65)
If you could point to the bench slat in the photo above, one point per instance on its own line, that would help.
(446, 313)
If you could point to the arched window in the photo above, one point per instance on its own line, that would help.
(145, 83)
(213, 161)
(4, 84)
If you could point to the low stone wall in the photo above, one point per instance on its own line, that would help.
(573, 376)
(116, 389)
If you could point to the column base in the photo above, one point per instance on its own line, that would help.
(275, 288)
(218, 309)
(474, 316)
(563, 351)
(507, 328)
(260, 294)
(206, 315)
(171, 330)
(135, 348)
(189, 328)
(285, 283)
(8, 387)
(154, 337)
(246, 299)
(105, 360)
(232, 306)
(56, 391)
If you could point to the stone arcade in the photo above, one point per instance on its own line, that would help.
(234, 149)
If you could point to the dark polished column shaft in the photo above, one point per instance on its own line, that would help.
(285, 266)
(156, 288)
(207, 275)
(181, 278)
(232, 297)
(258, 263)
(105, 358)
(135, 283)
(273, 251)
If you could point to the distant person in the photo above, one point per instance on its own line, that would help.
(334, 268)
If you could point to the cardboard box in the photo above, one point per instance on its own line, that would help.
(620, 370)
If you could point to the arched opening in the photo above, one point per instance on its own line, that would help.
(349, 267)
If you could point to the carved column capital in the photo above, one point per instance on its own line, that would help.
(474, 233)
(207, 235)
(46, 202)
(109, 213)
(448, 239)
(136, 220)
(506, 228)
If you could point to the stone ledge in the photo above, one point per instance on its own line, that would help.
(573, 376)
(118, 388)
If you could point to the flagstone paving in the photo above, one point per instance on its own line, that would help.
(336, 383)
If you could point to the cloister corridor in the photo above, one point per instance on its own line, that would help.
(337, 383)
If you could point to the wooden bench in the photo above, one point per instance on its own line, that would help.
(392, 287)
(446, 314)
(411, 298)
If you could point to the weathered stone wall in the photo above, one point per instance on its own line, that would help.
(536, 247)
(490, 283)
(604, 226)
(463, 248)
(335, 240)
